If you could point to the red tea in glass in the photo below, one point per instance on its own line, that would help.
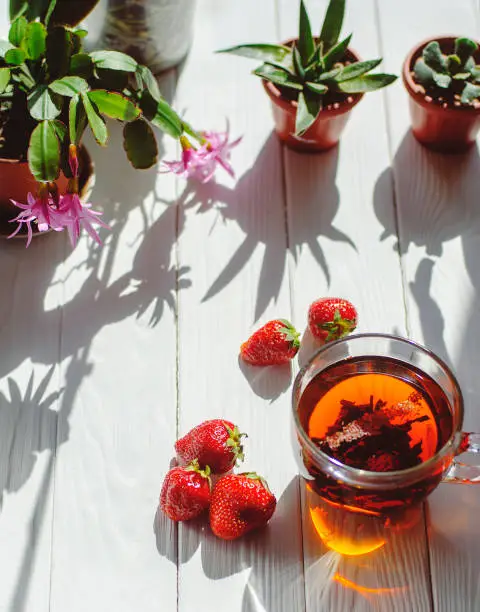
(378, 423)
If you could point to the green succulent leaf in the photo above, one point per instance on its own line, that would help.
(454, 64)
(357, 69)
(81, 65)
(336, 53)
(461, 76)
(17, 31)
(283, 67)
(306, 45)
(44, 104)
(69, 86)
(77, 119)
(149, 81)
(59, 51)
(274, 53)
(465, 48)
(297, 62)
(423, 74)
(167, 119)
(442, 80)
(279, 77)
(332, 24)
(475, 72)
(96, 122)
(366, 83)
(5, 45)
(433, 58)
(44, 152)
(60, 128)
(114, 60)
(140, 144)
(317, 88)
(4, 79)
(330, 75)
(114, 105)
(35, 40)
(470, 93)
(15, 57)
(309, 105)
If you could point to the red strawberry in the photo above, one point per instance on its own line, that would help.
(186, 492)
(240, 503)
(216, 443)
(331, 318)
(275, 343)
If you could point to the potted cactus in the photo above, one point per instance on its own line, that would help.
(313, 82)
(51, 92)
(443, 81)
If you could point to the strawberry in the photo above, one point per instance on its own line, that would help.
(216, 443)
(331, 318)
(275, 343)
(186, 492)
(240, 503)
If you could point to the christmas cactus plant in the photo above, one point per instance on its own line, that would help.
(315, 71)
(455, 76)
(52, 91)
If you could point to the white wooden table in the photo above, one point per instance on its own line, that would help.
(107, 355)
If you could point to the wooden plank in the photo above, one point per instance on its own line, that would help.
(118, 418)
(234, 241)
(334, 235)
(438, 220)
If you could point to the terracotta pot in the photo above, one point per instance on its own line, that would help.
(324, 133)
(16, 181)
(448, 130)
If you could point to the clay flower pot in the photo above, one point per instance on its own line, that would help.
(448, 130)
(16, 181)
(325, 132)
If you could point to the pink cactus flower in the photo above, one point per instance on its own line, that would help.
(39, 209)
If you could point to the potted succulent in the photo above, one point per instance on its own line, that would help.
(313, 82)
(443, 81)
(51, 91)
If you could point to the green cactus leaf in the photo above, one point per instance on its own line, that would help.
(35, 40)
(81, 65)
(95, 121)
(275, 53)
(332, 24)
(306, 45)
(167, 119)
(309, 105)
(4, 79)
(17, 31)
(44, 152)
(60, 128)
(470, 93)
(279, 77)
(114, 60)
(44, 104)
(15, 57)
(465, 48)
(77, 119)
(114, 105)
(433, 58)
(149, 81)
(140, 144)
(69, 86)
(5, 45)
(336, 53)
(366, 83)
(357, 69)
(59, 51)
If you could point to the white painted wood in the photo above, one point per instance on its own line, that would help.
(118, 348)
(437, 200)
(334, 236)
(234, 240)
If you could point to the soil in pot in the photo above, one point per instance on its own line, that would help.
(327, 129)
(439, 120)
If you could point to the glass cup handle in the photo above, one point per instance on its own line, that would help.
(464, 473)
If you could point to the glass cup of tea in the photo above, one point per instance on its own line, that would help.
(378, 424)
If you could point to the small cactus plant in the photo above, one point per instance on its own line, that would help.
(454, 77)
(314, 70)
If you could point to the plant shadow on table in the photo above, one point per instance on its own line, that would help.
(256, 204)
